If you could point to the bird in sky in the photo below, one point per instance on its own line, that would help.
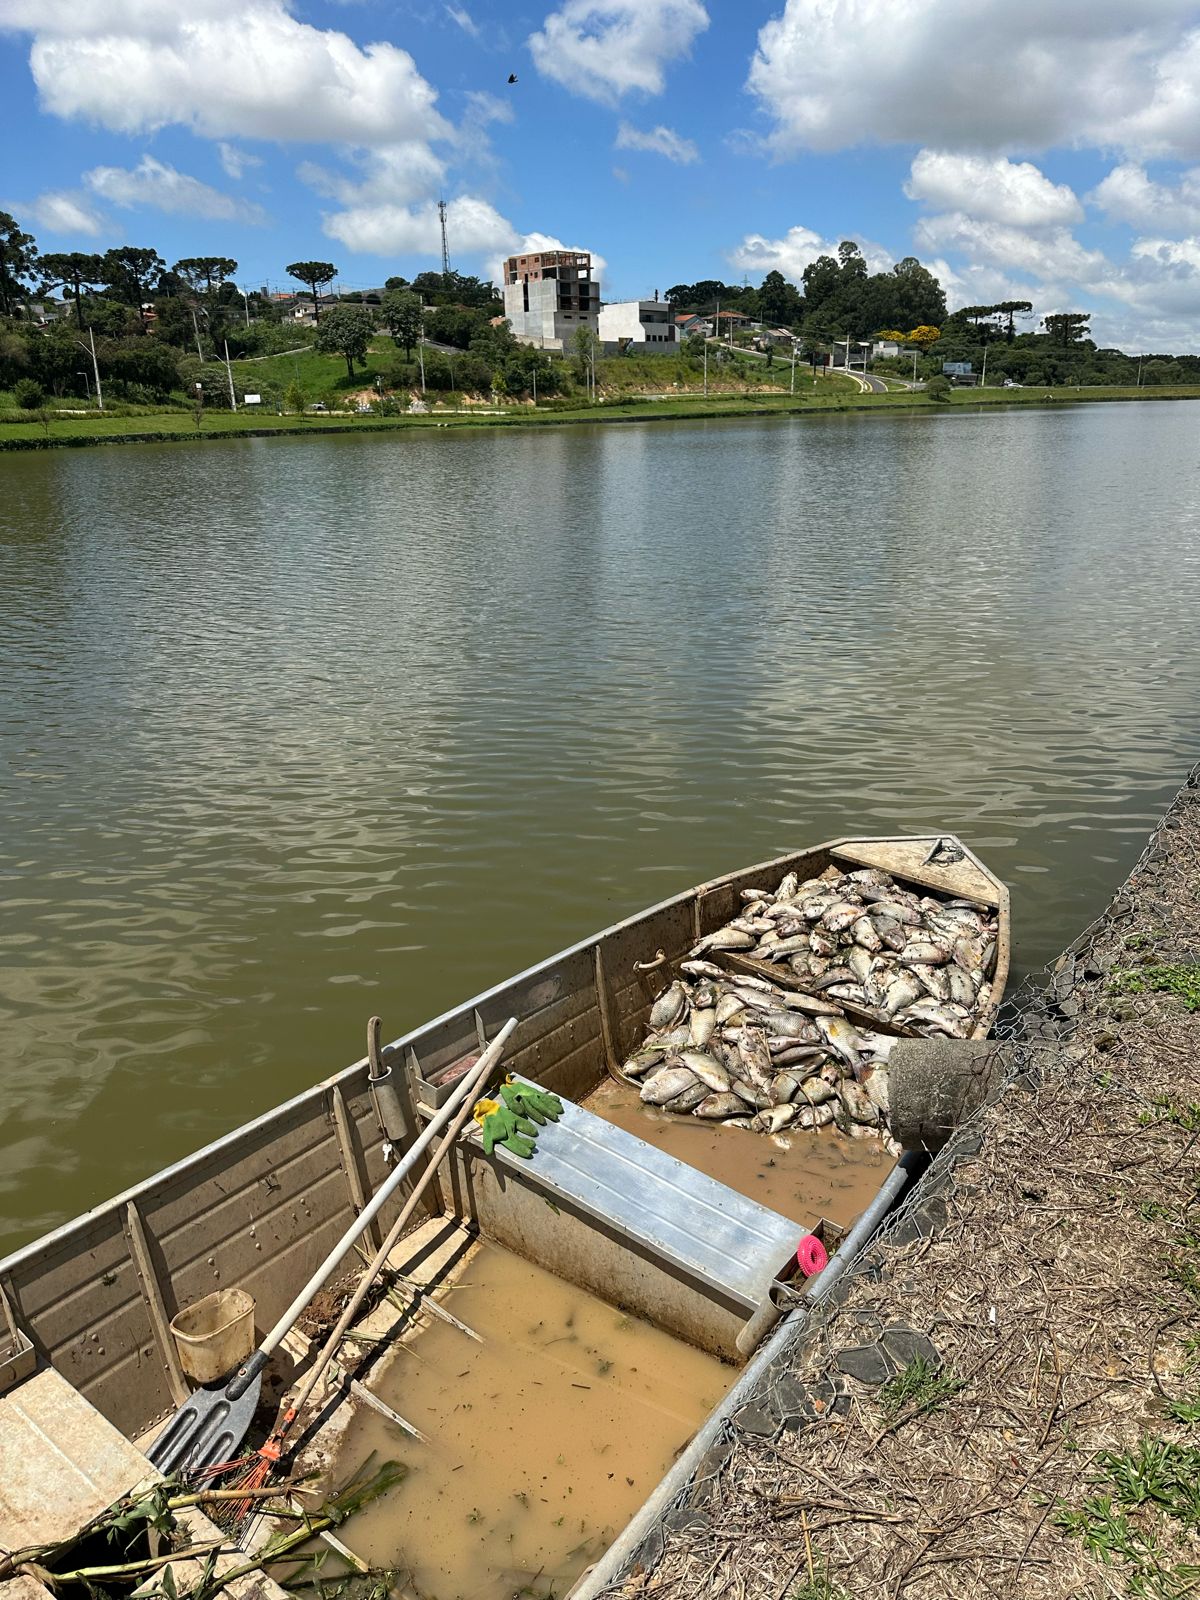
(512, 77)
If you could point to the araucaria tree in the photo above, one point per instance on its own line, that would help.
(74, 270)
(17, 256)
(347, 332)
(316, 274)
(206, 270)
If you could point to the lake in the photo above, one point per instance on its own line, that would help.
(296, 730)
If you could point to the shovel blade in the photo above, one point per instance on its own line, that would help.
(208, 1429)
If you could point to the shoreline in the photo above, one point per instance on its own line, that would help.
(714, 408)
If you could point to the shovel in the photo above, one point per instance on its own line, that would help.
(209, 1428)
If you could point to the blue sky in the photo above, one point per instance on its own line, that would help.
(1021, 149)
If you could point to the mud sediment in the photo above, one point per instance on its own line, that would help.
(948, 1423)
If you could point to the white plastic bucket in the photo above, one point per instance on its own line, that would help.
(215, 1335)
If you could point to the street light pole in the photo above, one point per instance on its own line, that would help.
(95, 367)
(229, 375)
(86, 383)
(793, 366)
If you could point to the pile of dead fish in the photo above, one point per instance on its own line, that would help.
(776, 1052)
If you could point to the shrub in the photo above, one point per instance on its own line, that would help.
(28, 394)
(939, 388)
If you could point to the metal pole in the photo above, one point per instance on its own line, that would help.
(421, 360)
(793, 366)
(229, 375)
(96, 372)
(246, 300)
(86, 383)
(983, 376)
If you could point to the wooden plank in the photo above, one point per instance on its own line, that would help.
(905, 858)
(348, 1146)
(147, 1276)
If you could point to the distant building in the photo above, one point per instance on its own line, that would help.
(884, 348)
(956, 369)
(549, 296)
(646, 322)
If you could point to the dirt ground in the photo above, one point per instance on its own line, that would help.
(1005, 1398)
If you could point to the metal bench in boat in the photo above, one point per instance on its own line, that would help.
(604, 1209)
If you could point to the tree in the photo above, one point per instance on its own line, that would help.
(129, 273)
(779, 301)
(195, 270)
(1011, 309)
(18, 254)
(923, 337)
(28, 394)
(347, 332)
(294, 398)
(584, 344)
(403, 315)
(1067, 327)
(315, 274)
(939, 388)
(72, 270)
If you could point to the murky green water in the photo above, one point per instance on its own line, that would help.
(291, 731)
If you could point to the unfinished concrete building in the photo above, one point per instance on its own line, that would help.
(550, 294)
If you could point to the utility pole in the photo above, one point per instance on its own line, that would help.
(445, 245)
(196, 326)
(983, 378)
(229, 375)
(793, 366)
(246, 300)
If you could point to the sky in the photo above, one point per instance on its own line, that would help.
(1024, 149)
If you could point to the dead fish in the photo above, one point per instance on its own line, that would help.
(937, 1015)
(860, 963)
(737, 1122)
(968, 953)
(878, 1046)
(724, 939)
(896, 911)
(753, 1096)
(854, 992)
(925, 953)
(755, 925)
(756, 894)
(642, 1060)
(815, 906)
(832, 975)
(934, 980)
(787, 1025)
(756, 1058)
(728, 1006)
(816, 1091)
(707, 1069)
(800, 1054)
(813, 1117)
(840, 915)
(776, 1118)
(901, 992)
(875, 1082)
(673, 1038)
(689, 1099)
(859, 1105)
(843, 1040)
(788, 886)
(864, 933)
(702, 1025)
(873, 876)
(718, 1106)
(821, 944)
(786, 947)
(962, 985)
(669, 1006)
(665, 1084)
(783, 1088)
(702, 969)
(890, 931)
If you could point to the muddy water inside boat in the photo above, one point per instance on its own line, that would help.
(543, 1441)
(802, 1175)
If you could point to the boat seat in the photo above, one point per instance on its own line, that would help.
(721, 1239)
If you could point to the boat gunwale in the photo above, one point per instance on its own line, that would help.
(463, 1011)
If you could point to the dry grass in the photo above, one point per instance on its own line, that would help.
(1051, 1451)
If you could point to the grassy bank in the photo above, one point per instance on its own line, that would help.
(170, 426)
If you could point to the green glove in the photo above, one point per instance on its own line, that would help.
(501, 1125)
(527, 1101)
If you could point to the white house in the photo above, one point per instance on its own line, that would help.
(648, 322)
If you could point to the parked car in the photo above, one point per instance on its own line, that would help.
(1011, 383)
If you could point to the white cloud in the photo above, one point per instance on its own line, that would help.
(992, 75)
(464, 19)
(225, 68)
(154, 183)
(393, 175)
(58, 211)
(659, 141)
(605, 48)
(474, 227)
(1129, 194)
(991, 187)
(798, 249)
(235, 161)
(1050, 254)
(483, 108)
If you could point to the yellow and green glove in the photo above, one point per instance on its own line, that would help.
(526, 1101)
(501, 1125)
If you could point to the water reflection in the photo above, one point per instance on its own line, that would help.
(294, 730)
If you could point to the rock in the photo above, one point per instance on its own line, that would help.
(755, 1419)
(905, 1345)
(869, 1363)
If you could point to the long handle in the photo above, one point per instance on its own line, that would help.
(254, 1364)
(329, 1348)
